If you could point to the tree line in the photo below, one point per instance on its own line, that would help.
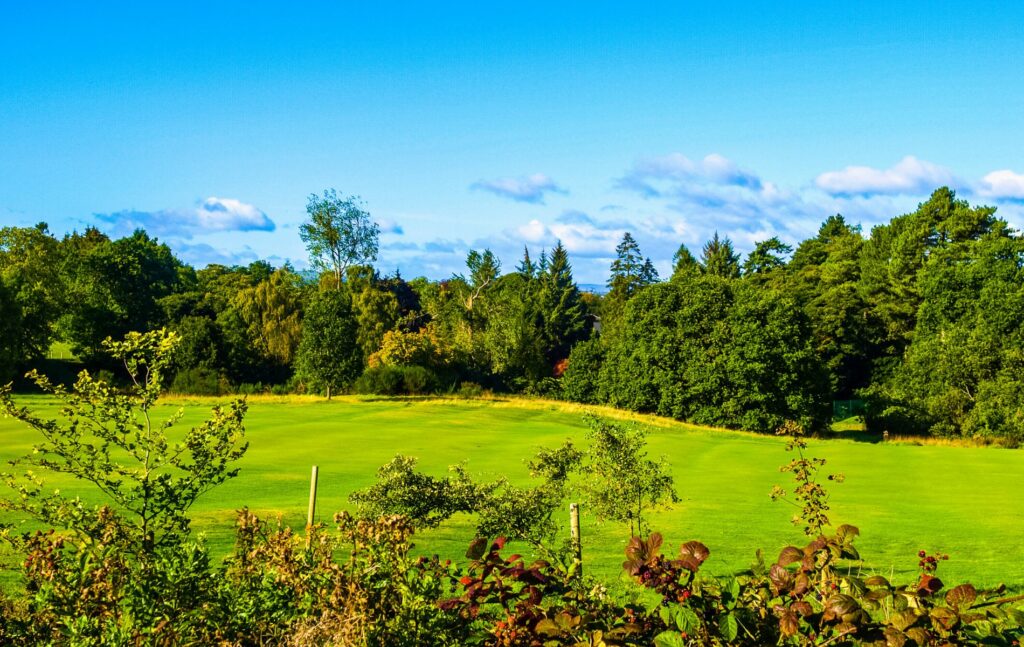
(921, 319)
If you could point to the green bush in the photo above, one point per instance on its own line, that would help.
(417, 380)
(470, 390)
(580, 381)
(396, 380)
(198, 381)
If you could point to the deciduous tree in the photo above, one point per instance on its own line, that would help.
(338, 233)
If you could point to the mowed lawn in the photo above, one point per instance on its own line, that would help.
(904, 498)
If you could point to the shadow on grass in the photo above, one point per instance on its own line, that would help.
(856, 435)
(428, 398)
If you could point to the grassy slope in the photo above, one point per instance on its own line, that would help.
(904, 498)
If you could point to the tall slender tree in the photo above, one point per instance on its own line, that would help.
(526, 266)
(627, 267)
(561, 307)
(338, 233)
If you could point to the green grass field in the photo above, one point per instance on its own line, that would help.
(904, 498)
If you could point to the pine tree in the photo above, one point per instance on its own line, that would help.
(767, 256)
(684, 263)
(648, 273)
(526, 266)
(719, 258)
(561, 307)
(627, 266)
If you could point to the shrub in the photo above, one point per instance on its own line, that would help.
(379, 380)
(396, 380)
(248, 388)
(119, 572)
(417, 380)
(580, 380)
(470, 390)
(198, 381)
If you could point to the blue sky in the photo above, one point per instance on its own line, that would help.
(467, 126)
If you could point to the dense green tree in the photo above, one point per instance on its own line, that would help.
(824, 276)
(272, 313)
(30, 263)
(10, 333)
(895, 254)
(512, 339)
(719, 259)
(581, 381)
(484, 268)
(116, 288)
(526, 266)
(561, 307)
(377, 311)
(338, 233)
(648, 273)
(715, 352)
(961, 374)
(329, 357)
(625, 274)
(199, 344)
(766, 256)
(216, 298)
(629, 273)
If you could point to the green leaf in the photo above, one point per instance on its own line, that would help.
(728, 626)
(667, 615)
(687, 620)
(731, 592)
(668, 639)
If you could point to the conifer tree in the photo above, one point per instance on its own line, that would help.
(561, 307)
(719, 258)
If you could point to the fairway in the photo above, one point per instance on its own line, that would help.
(904, 498)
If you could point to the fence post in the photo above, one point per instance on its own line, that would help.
(574, 534)
(311, 514)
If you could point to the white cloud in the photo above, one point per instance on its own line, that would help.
(209, 216)
(909, 176)
(1002, 185)
(533, 231)
(580, 234)
(529, 188)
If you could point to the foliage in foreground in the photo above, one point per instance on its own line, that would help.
(359, 584)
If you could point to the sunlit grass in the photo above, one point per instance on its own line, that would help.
(958, 500)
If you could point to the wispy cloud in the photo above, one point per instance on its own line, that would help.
(202, 254)
(909, 176)
(692, 199)
(389, 226)
(653, 177)
(528, 188)
(211, 215)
